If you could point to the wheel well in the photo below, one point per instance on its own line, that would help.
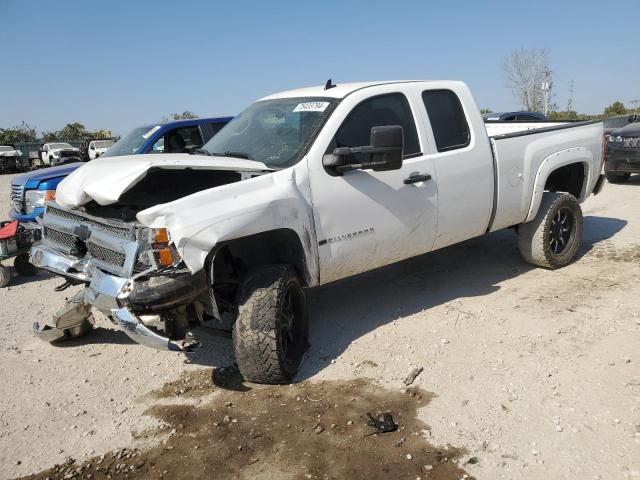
(234, 258)
(569, 178)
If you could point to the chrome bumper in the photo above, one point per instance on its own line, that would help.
(138, 331)
(106, 293)
(43, 256)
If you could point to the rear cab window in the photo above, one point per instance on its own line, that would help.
(448, 121)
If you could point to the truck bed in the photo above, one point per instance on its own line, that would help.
(519, 156)
(496, 127)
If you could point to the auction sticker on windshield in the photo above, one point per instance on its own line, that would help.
(311, 107)
(151, 132)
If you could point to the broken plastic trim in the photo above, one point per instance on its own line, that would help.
(140, 333)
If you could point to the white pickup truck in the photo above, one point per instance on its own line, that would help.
(304, 188)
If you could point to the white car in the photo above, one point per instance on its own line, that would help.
(304, 188)
(52, 154)
(10, 159)
(98, 147)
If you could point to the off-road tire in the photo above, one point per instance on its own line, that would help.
(5, 276)
(23, 266)
(536, 237)
(266, 350)
(617, 177)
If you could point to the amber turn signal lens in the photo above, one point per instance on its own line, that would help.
(49, 195)
(160, 235)
(165, 258)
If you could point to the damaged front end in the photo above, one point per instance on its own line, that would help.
(131, 273)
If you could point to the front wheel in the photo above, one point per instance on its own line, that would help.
(617, 177)
(271, 331)
(552, 238)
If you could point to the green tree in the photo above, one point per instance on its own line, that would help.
(616, 108)
(485, 110)
(186, 115)
(22, 133)
(74, 131)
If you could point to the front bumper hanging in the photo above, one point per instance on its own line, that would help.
(110, 295)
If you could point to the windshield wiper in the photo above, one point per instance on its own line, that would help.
(229, 153)
(200, 151)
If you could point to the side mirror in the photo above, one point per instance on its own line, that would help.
(384, 153)
(387, 145)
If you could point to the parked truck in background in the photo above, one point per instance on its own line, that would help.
(31, 190)
(622, 154)
(54, 154)
(304, 188)
(92, 149)
(11, 159)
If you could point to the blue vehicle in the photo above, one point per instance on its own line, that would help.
(30, 191)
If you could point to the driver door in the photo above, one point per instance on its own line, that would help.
(366, 219)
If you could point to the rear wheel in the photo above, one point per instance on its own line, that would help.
(552, 238)
(23, 266)
(271, 331)
(617, 177)
(5, 276)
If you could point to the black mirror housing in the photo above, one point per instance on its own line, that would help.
(384, 153)
(387, 144)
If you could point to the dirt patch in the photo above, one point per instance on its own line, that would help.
(307, 430)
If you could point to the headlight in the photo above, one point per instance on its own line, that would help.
(156, 248)
(37, 198)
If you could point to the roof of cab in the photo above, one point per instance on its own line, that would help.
(188, 121)
(340, 90)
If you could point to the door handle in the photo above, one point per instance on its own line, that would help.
(417, 177)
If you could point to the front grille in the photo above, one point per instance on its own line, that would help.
(631, 142)
(64, 239)
(120, 231)
(106, 255)
(17, 199)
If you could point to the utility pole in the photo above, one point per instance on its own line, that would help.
(570, 101)
(545, 89)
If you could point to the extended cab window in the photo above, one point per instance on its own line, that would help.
(384, 110)
(449, 125)
(179, 140)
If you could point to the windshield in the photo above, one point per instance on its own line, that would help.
(59, 145)
(130, 143)
(274, 132)
(5, 149)
(616, 122)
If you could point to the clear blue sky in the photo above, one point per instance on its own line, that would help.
(117, 64)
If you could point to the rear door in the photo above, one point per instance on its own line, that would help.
(365, 219)
(462, 160)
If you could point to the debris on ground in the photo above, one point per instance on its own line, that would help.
(412, 375)
(385, 425)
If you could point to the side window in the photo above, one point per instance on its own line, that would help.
(210, 129)
(183, 140)
(449, 125)
(390, 109)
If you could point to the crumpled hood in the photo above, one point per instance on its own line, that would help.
(106, 179)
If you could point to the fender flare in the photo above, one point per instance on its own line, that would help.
(553, 162)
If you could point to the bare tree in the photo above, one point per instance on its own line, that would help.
(525, 70)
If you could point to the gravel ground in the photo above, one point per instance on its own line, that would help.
(534, 373)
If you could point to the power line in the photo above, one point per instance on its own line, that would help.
(570, 101)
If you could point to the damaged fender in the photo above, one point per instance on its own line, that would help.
(198, 222)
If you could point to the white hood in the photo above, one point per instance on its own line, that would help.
(106, 179)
